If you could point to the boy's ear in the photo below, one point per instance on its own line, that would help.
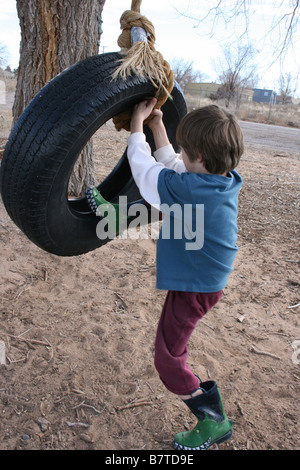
(199, 159)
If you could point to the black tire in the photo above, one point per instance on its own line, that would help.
(46, 141)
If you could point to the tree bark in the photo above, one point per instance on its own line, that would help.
(54, 35)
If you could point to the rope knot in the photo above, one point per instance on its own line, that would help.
(141, 59)
(128, 20)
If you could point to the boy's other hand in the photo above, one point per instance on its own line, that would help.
(156, 121)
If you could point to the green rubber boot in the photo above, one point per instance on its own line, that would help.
(213, 426)
(114, 214)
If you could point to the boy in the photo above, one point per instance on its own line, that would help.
(212, 144)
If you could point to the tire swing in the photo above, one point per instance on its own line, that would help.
(47, 139)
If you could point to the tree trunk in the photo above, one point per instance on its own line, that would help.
(54, 35)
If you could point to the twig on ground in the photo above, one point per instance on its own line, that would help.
(84, 425)
(294, 306)
(30, 341)
(90, 406)
(263, 353)
(134, 405)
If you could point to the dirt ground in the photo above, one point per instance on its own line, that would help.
(79, 332)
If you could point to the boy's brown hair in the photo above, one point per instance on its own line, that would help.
(215, 134)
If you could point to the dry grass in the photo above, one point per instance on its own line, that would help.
(281, 115)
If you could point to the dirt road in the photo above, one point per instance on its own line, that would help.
(273, 138)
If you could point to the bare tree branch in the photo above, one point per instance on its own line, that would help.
(225, 14)
(290, 22)
(240, 12)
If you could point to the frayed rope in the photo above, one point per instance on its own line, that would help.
(141, 59)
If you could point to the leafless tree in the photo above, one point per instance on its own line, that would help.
(184, 72)
(54, 35)
(3, 55)
(236, 71)
(287, 87)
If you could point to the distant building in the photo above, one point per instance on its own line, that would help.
(205, 90)
(284, 99)
(246, 94)
(264, 96)
(201, 90)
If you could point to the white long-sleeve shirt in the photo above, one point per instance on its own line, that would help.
(145, 168)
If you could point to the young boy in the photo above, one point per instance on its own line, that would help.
(211, 142)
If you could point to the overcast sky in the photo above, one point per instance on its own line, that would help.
(178, 36)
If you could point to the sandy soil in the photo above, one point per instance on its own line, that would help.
(79, 332)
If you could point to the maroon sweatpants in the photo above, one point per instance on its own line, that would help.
(180, 314)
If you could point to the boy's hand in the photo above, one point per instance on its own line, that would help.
(141, 112)
(156, 121)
